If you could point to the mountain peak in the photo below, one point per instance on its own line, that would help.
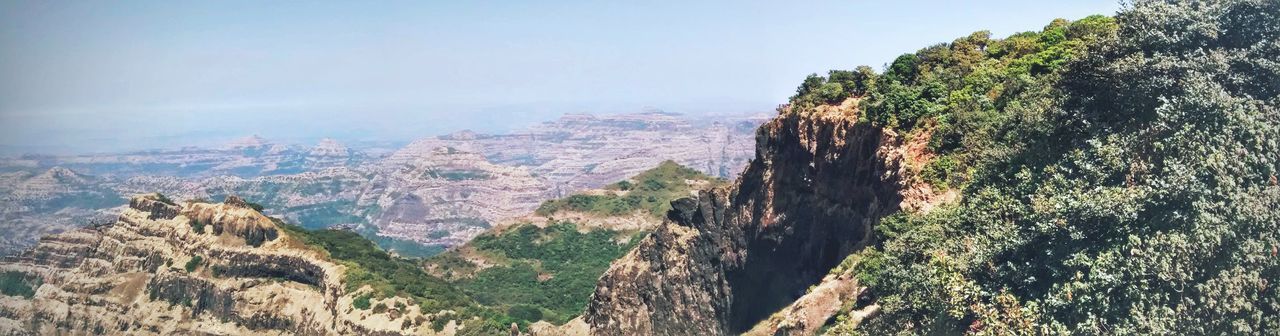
(57, 176)
(249, 142)
(330, 148)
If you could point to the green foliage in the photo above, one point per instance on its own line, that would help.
(837, 86)
(164, 199)
(197, 225)
(549, 273)
(194, 263)
(1123, 181)
(963, 93)
(369, 265)
(941, 172)
(651, 192)
(438, 323)
(451, 265)
(14, 283)
(525, 313)
(362, 302)
(552, 269)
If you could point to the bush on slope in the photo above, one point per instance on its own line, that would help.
(1132, 192)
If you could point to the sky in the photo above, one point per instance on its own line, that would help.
(97, 76)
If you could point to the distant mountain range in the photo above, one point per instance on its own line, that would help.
(437, 191)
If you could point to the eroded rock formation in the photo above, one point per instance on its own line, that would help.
(192, 269)
(728, 258)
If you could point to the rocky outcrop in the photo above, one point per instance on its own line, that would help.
(808, 314)
(192, 268)
(729, 258)
(155, 207)
(234, 217)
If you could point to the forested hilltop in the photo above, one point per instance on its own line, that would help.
(1118, 175)
(1109, 175)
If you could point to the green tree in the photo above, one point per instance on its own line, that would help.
(1133, 194)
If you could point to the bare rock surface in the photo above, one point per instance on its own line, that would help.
(729, 258)
(194, 269)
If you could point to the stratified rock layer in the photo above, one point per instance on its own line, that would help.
(728, 258)
(186, 269)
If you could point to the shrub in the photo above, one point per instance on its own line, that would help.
(164, 199)
(361, 302)
(197, 225)
(193, 263)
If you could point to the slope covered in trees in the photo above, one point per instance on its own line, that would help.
(1119, 175)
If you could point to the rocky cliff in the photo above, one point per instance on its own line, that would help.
(729, 257)
(194, 268)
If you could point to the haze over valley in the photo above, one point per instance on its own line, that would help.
(664, 168)
(431, 194)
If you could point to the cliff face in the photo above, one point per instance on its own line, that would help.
(195, 268)
(729, 258)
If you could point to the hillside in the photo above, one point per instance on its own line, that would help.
(543, 267)
(649, 193)
(418, 199)
(166, 267)
(1108, 175)
(1140, 199)
(204, 268)
(1111, 175)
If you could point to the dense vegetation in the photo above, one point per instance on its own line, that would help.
(1119, 177)
(965, 95)
(650, 191)
(552, 270)
(548, 275)
(388, 276)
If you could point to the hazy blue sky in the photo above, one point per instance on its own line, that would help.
(110, 75)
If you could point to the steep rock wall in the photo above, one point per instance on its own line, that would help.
(729, 258)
